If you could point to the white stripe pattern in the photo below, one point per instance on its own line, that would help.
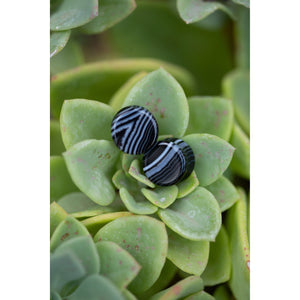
(134, 130)
(168, 162)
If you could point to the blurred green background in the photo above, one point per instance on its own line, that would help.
(208, 49)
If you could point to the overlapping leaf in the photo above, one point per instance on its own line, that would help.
(241, 160)
(96, 287)
(58, 40)
(236, 225)
(212, 156)
(67, 229)
(181, 289)
(84, 249)
(161, 94)
(145, 239)
(73, 13)
(90, 164)
(79, 205)
(195, 10)
(64, 268)
(110, 13)
(57, 214)
(100, 80)
(117, 264)
(82, 119)
(189, 256)
(236, 86)
(225, 192)
(213, 115)
(195, 217)
(219, 263)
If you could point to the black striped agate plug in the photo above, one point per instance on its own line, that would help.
(168, 162)
(134, 130)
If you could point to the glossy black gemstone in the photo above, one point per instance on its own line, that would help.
(134, 129)
(168, 162)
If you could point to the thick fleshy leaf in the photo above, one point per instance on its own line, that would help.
(56, 144)
(215, 21)
(84, 249)
(60, 180)
(64, 268)
(110, 13)
(139, 208)
(186, 186)
(82, 119)
(236, 224)
(229, 174)
(100, 80)
(127, 295)
(57, 214)
(117, 264)
(195, 217)
(162, 196)
(200, 296)
(225, 192)
(118, 98)
(121, 179)
(241, 160)
(75, 202)
(71, 57)
(58, 41)
(73, 13)
(222, 293)
(68, 229)
(146, 239)
(212, 156)
(135, 171)
(242, 2)
(96, 287)
(93, 224)
(189, 256)
(236, 86)
(213, 115)
(127, 160)
(195, 10)
(161, 94)
(183, 288)
(90, 164)
(219, 263)
(79, 205)
(117, 204)
(167, 274)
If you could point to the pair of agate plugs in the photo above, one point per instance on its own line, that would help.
(135, 131)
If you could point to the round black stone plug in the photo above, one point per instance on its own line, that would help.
(168, 162)
(134, 130)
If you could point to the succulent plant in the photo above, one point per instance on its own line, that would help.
(118, 202)
(90, 17)
(114, 233)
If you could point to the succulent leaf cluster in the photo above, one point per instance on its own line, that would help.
(107, 196)
(89, 17)
(113, 232)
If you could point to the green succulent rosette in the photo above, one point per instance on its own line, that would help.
(133, 231)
